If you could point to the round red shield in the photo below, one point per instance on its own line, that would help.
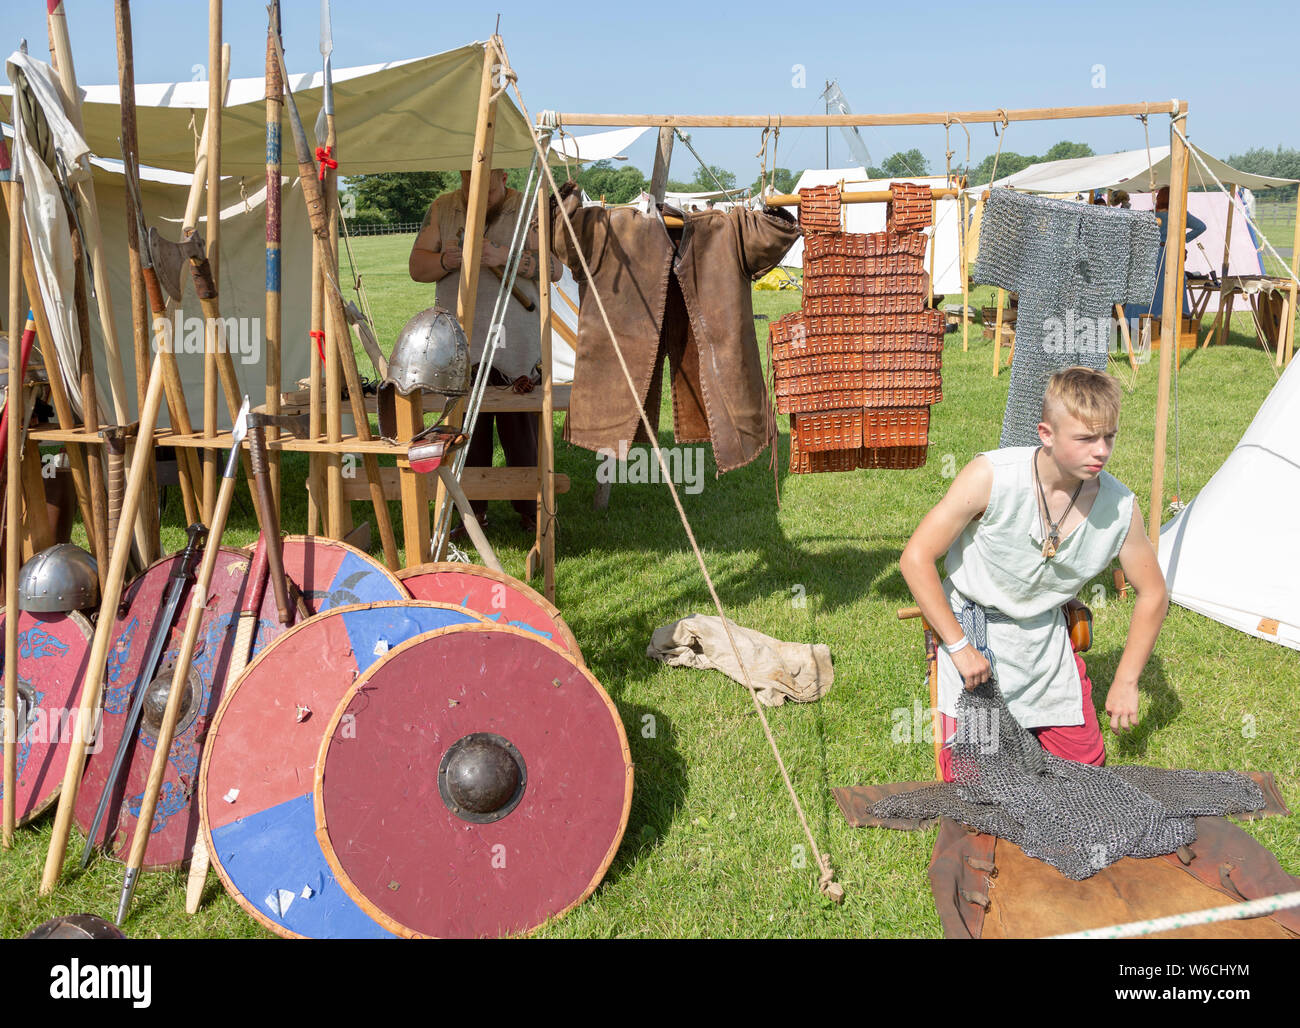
(256, 786)
(333, 574)
(52, 653)
(497, 596)
(476, 783)
(176, 820)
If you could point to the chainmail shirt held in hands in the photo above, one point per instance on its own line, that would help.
(1071, 263)
(1076, 817)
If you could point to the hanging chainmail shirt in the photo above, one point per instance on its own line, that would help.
(1071, 263)
(1076, 817)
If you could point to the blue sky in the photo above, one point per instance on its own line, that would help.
(742, 59)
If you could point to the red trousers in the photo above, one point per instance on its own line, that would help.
(1082, 743)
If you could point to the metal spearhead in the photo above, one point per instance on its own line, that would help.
(327, 96)
(237, 434)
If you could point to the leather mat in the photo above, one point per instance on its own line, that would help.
(987, 888)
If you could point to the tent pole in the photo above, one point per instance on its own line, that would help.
(663, 158)
(1170, 317)
(1288, 330)
(963, 202)
(874, 120)
(475, 218)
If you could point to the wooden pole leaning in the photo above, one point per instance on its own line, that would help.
(93, 684)
(64, 414)
(213, 127)
(1170, 318)
(89, 396)
(184, 660)
(546, 434)
(338, 320)
(13, 531)
(140, 320)
(475, 219)
(316, 499)
(272, 326)
(61, 50)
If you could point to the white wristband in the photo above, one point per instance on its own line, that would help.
(960, 644)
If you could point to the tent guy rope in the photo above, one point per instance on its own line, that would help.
(826, 883)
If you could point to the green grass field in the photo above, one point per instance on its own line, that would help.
(712, 846)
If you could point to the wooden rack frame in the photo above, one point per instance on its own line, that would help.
(1179, 166)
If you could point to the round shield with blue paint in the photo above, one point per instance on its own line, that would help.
(53, 650)
(333, 574)
(498, 597)
(256, 791)
(176, 819)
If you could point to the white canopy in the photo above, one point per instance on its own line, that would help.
(410, 115)
(1127, 170)
(1217, 559)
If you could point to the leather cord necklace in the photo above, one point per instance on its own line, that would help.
(1052, 529)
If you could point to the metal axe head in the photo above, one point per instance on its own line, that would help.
(170, 258)
(297, 425)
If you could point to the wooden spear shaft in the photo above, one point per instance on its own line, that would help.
(139, 305)
(93, 685)
(213, 126)
(315, 467)
(61, 50)
(184, 659)
(338, 320)
(13, 532)
(272, 328)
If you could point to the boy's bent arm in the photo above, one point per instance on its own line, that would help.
(966, 499)
(1141, 567)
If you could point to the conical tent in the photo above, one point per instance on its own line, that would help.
(1218, 559)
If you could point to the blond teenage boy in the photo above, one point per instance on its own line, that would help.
(1023, 530)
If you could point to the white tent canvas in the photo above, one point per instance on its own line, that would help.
(400, 116)
(1216, 559)
(1130, 170)
(942, 261)
(1205, 253)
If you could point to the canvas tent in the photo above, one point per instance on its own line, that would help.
(1217, 559)
(1205, 252)
(945, 273)
(411, 115)
(1127, 170)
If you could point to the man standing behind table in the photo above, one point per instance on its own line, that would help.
(437, 256)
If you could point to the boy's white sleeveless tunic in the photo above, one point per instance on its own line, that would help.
(998, 563)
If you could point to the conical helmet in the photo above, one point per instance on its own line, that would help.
(59, 579)
(431, 353)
